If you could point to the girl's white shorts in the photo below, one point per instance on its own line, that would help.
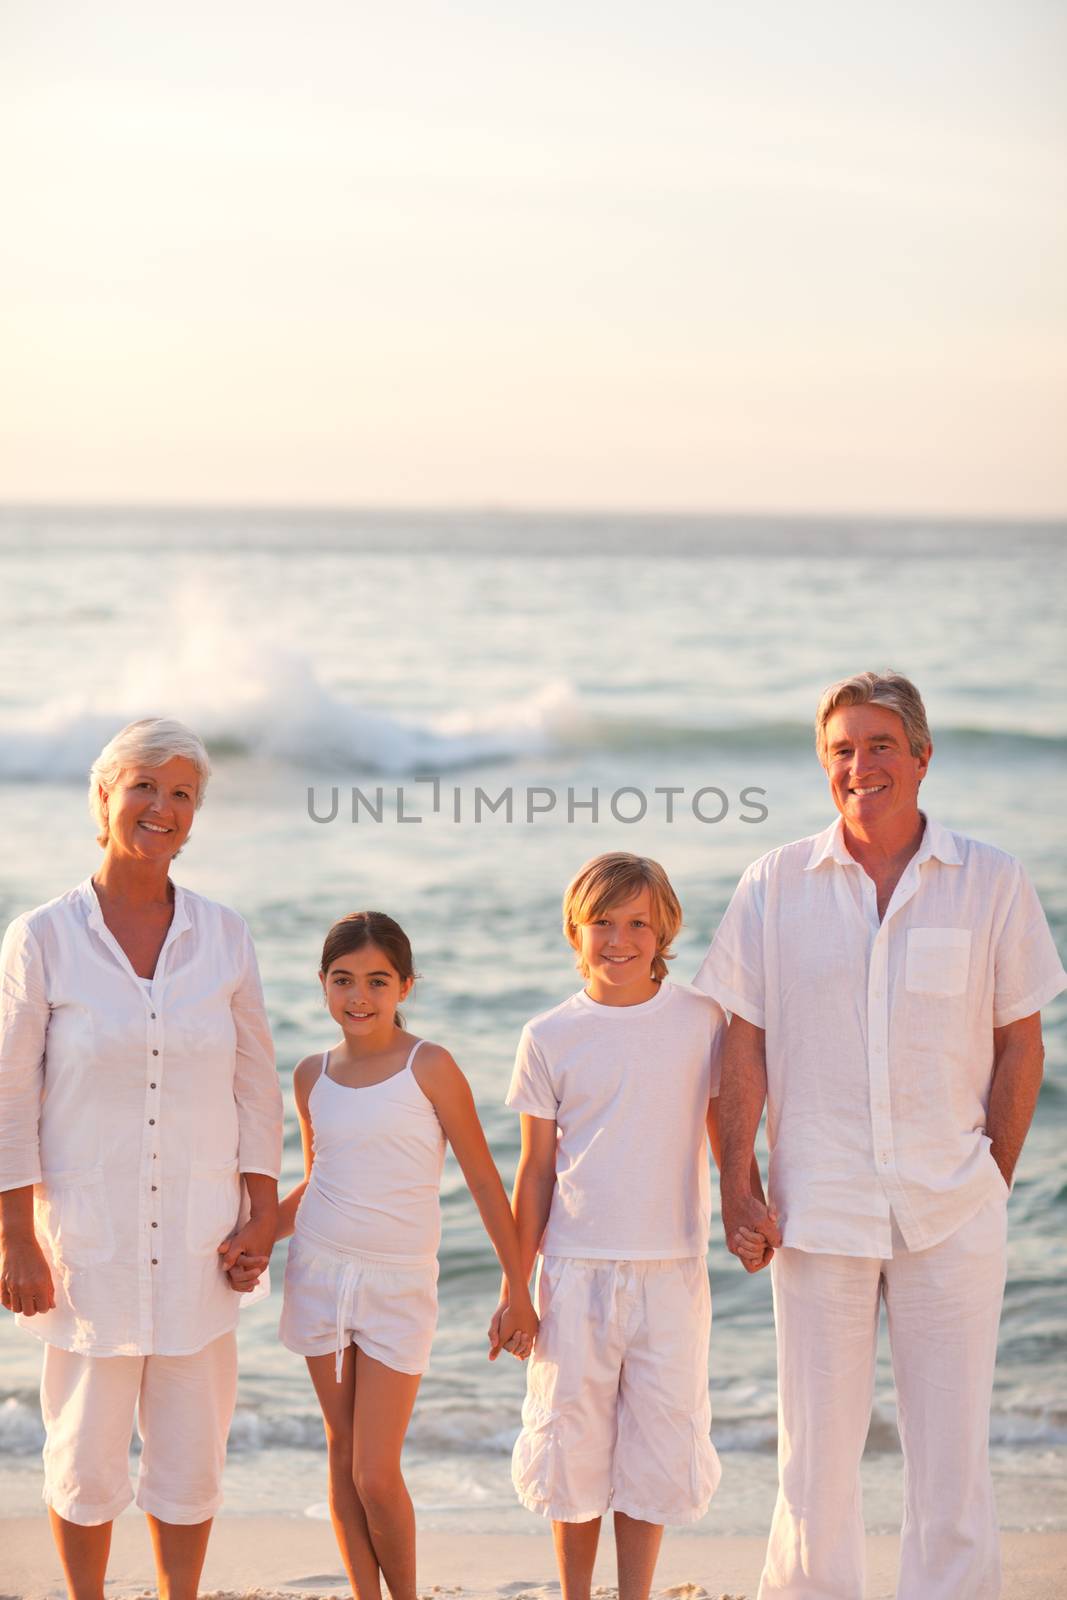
(335, 1298)
(617, 1414)
(183, 1404)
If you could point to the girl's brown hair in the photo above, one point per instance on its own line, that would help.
(361, 928)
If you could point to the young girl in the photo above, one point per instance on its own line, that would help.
(361, 1280)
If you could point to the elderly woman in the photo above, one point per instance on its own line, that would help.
(138, 1103)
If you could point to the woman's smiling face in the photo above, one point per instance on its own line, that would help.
(150, 810)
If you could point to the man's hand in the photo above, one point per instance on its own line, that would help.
(25, 1279)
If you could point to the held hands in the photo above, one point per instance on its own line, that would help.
(246, 1253)
(751, 1228)
(25, 1280)
(513, 1328)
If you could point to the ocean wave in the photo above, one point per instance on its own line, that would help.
(21, 1429)
(469, 1433)
(278, 710)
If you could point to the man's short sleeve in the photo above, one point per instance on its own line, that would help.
(1028, 972)
(732, 970)
(531, 1089)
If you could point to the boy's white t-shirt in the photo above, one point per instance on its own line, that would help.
(628, 1089)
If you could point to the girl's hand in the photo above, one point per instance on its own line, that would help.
(518, 1329)
(494, 1329)
(255, 1239)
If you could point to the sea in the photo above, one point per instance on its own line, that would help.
(442, 715)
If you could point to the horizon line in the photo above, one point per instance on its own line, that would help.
(520, 511)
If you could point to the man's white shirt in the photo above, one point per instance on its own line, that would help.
(879, 1035)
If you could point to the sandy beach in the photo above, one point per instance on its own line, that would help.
(296, 1558)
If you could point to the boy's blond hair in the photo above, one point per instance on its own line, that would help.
(612, 879)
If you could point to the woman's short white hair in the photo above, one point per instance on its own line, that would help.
(150, 742)
(889, 689)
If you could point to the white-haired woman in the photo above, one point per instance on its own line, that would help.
(138, 1102)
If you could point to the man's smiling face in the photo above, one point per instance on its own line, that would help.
(874, 778)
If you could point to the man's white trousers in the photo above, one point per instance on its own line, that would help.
(943, 1308)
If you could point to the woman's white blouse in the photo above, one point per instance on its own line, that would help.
(133, 1108)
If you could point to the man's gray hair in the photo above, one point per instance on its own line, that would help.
(150, 742)
(889, 689)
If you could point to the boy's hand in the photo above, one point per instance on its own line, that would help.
(518, 1329)
(744, 1214)
(752, 1249)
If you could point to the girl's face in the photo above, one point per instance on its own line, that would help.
(363, 990)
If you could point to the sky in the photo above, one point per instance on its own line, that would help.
(759, 256)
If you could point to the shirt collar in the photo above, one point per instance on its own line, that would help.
(936, 841)
(95, 916)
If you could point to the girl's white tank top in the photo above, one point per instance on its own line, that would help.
(375, 1182)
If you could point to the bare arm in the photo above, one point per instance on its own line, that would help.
(304, 1076)
(453, 1101)
(531, 1201)
(535, 1180)
(441, 1080)
(1018, 1065)
(714, 1134)
(741, 1101)
(278, 1218)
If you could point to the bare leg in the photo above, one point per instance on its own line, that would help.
(384, 1399)
(179, 1549)
(636, 1547)
(346, 1510)
(83, 1554)
(576, 1544)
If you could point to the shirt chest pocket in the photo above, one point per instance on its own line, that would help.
(937, 961)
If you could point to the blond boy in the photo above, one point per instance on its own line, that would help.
(617, 1089)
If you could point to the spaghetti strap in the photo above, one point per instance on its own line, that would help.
(325, 1063)
(411, 1057)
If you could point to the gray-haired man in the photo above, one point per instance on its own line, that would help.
(885, 980)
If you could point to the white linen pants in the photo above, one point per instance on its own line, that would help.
(183, 1404)
(943, 1307)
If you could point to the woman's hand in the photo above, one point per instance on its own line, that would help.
(25, 1279)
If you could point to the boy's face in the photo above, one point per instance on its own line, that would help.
(619, 946)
